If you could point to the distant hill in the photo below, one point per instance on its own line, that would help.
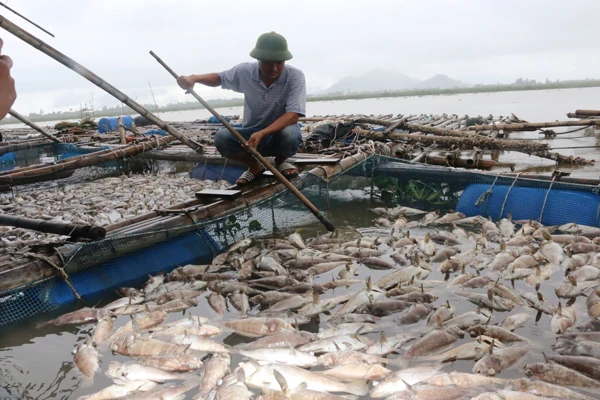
(381, 80)
(373, 81)
(440, 82)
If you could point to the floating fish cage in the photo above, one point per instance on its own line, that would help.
(44, 153)
(129, 254)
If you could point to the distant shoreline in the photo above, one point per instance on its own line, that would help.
(336, 97)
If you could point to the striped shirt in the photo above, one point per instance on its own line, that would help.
(264, 105)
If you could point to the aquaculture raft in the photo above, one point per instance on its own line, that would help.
(194, 232)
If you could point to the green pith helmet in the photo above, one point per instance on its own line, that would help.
(271, 46)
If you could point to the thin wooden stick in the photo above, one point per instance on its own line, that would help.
(33, 125)
(319, 214)
(95, 79)
(26, 19)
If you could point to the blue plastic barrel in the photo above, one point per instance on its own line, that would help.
(110, 124)
(8, 158)
(562, 206)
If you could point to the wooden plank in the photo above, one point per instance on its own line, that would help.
(223, 194)
(330, 160)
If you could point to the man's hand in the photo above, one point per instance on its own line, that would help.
(255, 139)
(186, 82)
(8, 94)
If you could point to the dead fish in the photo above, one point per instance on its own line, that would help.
(240, 301)
(177, 305)
(86, 358)
(348, 357)
(577, 348)
(490, 300)
(499, 359)
(337, 343)
(470, 318)
(588, 231)
(444, 254)
(442, 314)
(200, 343)
(270, 297)
(263, 377)
(496, 332)
(573, 288)
(153, 283)
(555, 373)
(146, 347)
(506, 226)
(538, 302)
(563, 319)
(541, 388)
(178, 295)
(467, 351)
(364, 296)
(382, 308)
(296, 240)
(452, 265)
(182, 362)
(123, 389)
(593, 304)
(216, 368)
(502, 290)
(123, 301)
(258, 326)
(462, 379)
(585, 273)
(132, 371)
(287, 355)
(376, 263)
(398, 380)
(552, 251)
(82, 316)
(449, 218)
(217, 303)
(386, 345)
(349, 329)
(357, 371)
(434, 341)
(103, 329)
(284, 339)
(514, 321)
(415, 313)
(325, 267)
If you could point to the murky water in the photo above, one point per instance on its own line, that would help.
(36, 363)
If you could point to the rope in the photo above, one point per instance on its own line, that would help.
(507, 193)
(546, 198)
(223, 170)
(204, 168)
(61, 272)
(487, 193)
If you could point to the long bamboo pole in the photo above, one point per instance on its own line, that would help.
(33, 125)
(95, 79)
(87, 160)
(319, 214)
(533, 126)
(59, 228)
(482, 142)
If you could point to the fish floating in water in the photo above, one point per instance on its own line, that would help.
(392, 313)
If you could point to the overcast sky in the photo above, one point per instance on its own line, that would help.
(476, 41)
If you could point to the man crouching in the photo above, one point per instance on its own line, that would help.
(274, 99)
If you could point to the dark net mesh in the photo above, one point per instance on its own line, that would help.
(128, 259)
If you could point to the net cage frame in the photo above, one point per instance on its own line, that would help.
(128, 259)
